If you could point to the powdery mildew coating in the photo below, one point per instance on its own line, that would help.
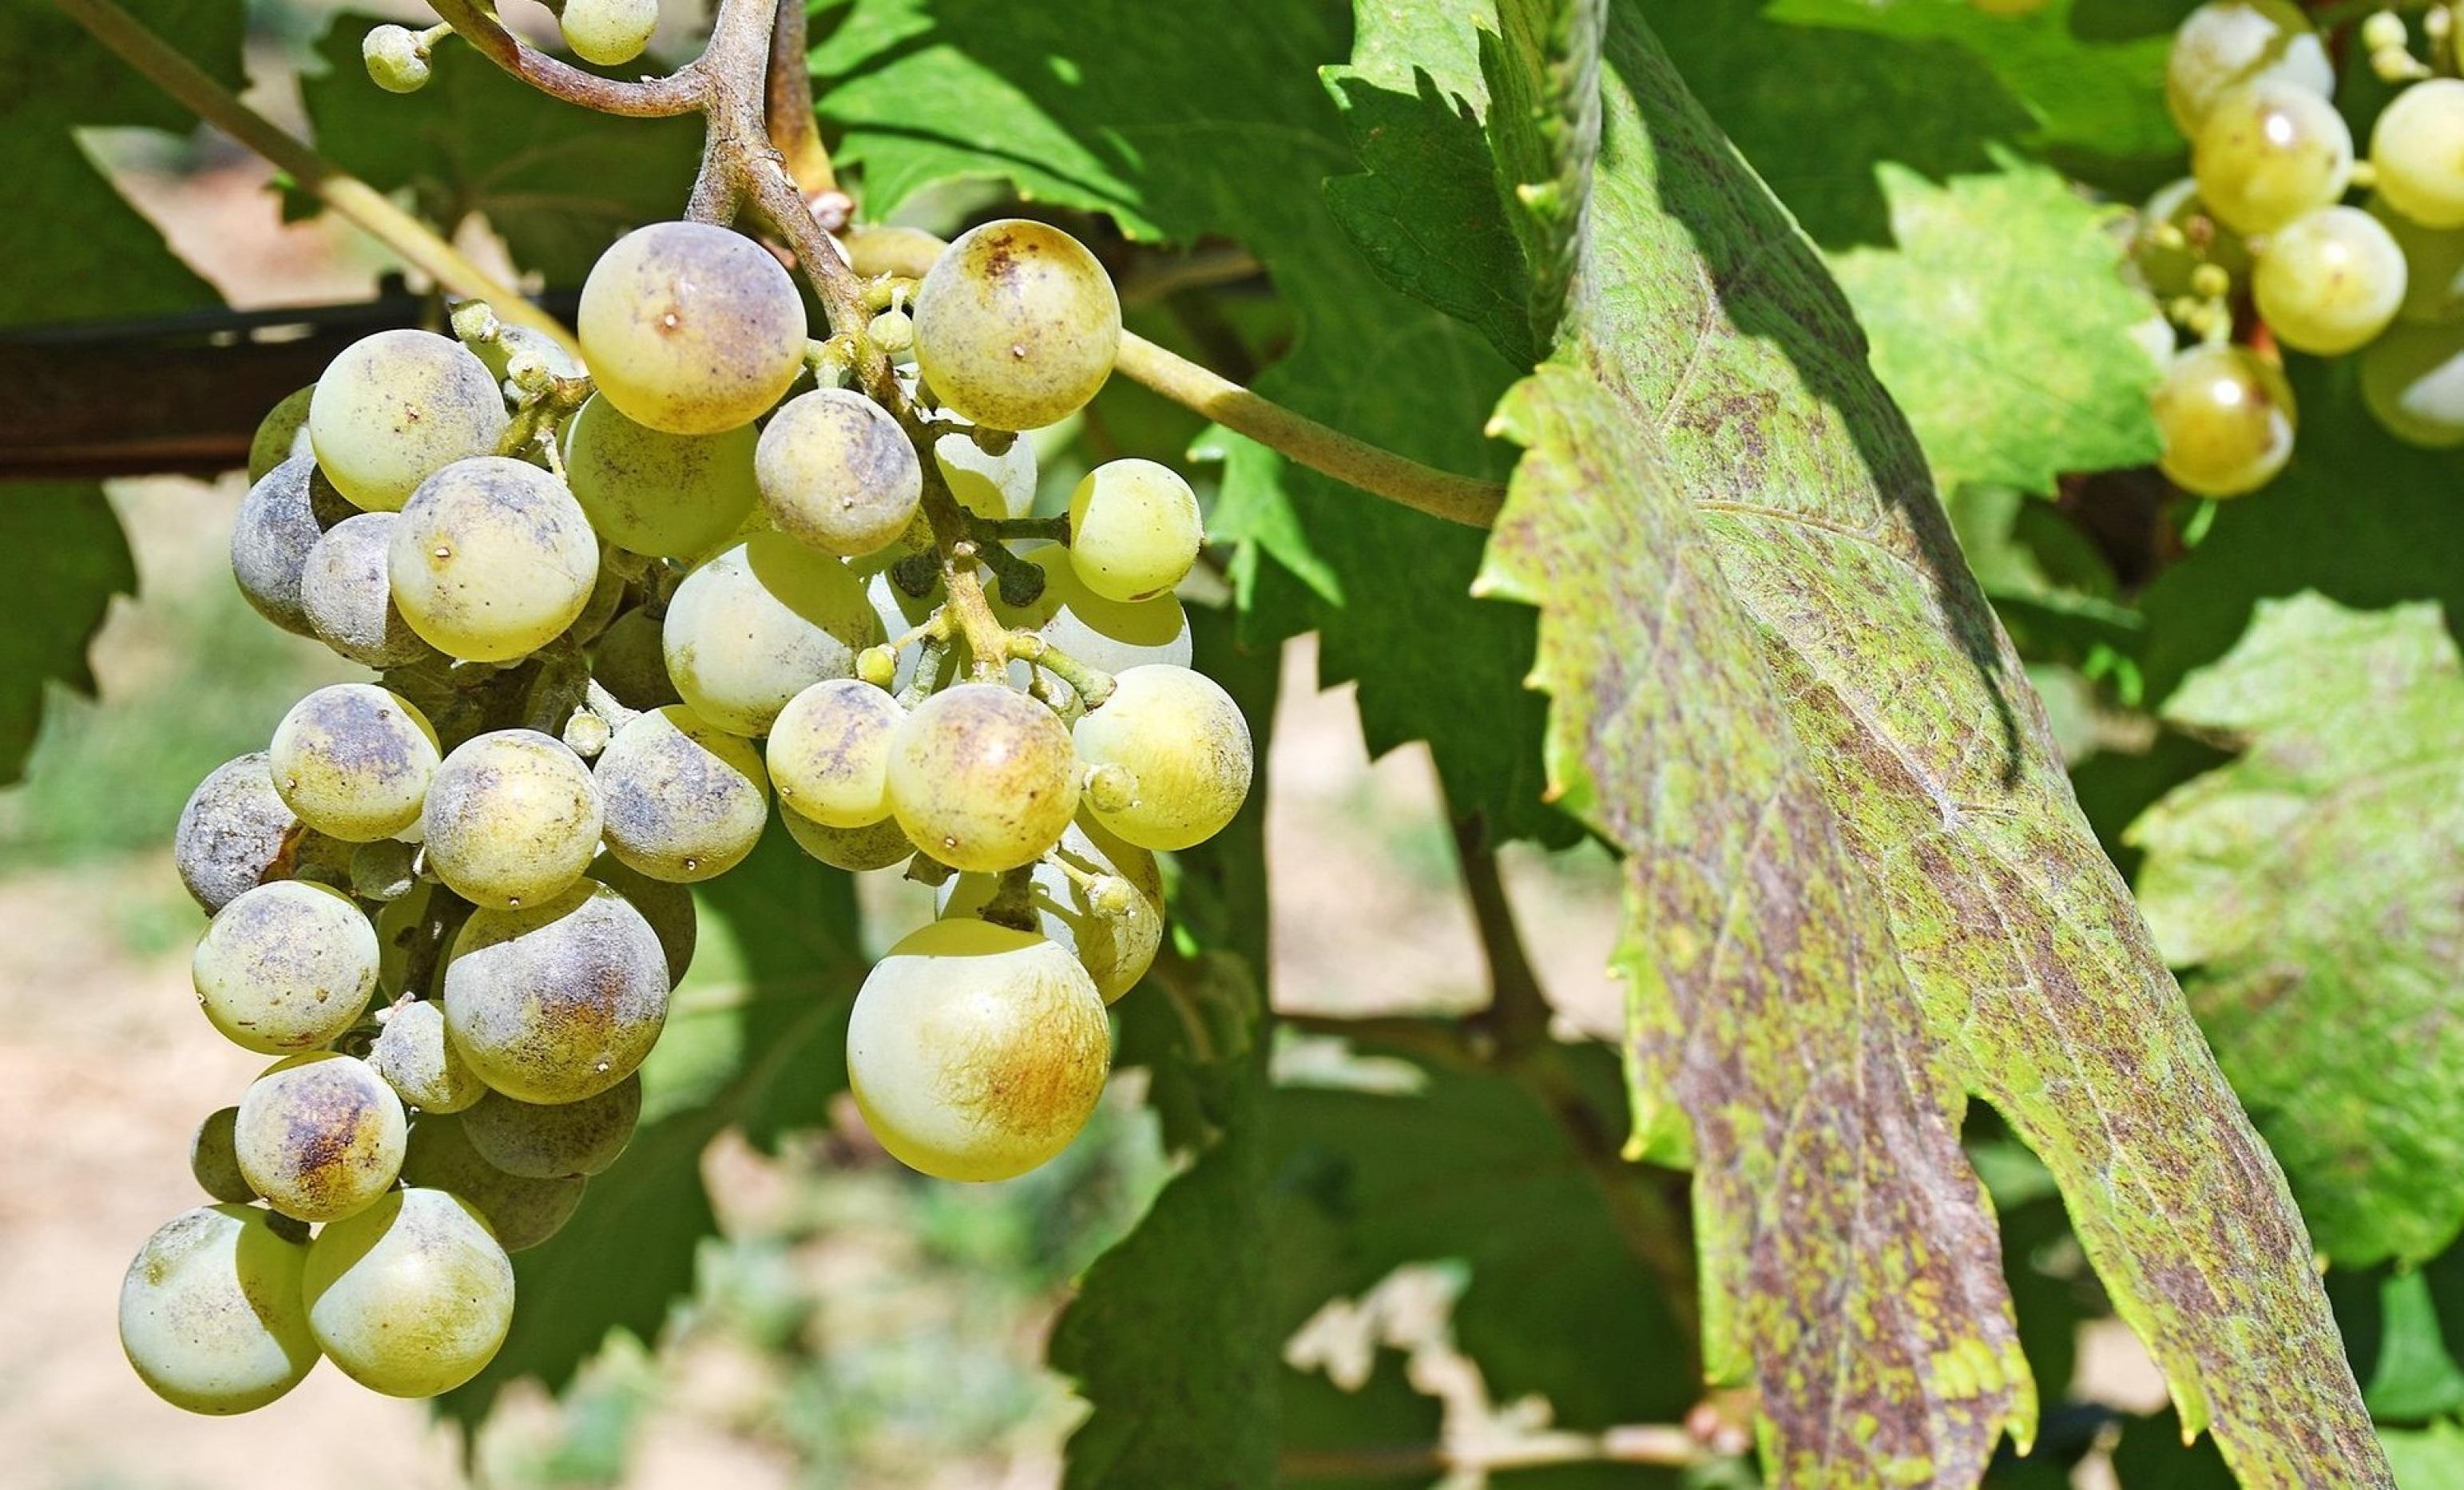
(557, 1001)
(512, 819)
(492, 559)
(395, 408)
(320, 1136)
(558, 1140)
(420, 1063)
(347, 596)
(976, 1052)
(690, 328)
(758, 624)
(982, 776)
(281, 519)
(1016, 325)
(829, 753)
(412, 1296)
(682, 799)
(673, 496)
(236, 833)
(1186, 748)
(837, 472)
(1115, 945)
(210, 1311)
(354, 762)
(285, 966)
(523, 1212)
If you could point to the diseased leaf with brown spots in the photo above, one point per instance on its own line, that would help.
(1702, 328)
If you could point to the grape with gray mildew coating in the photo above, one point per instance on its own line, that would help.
(828, 752)
(758, 624)
(347, 595)
(286, 510)
(879, 846)
(690, 328)
(285, 966)
(837, 472)
(492, 559)
(684, 800)
(559, 1000)
(354, 762)
(1016, 325)
(418, 1060)
(236, 833)
(397, 407)
(411, 1297)
(555, 1140)
(320, 1137)
(210, 1312)
(982, 778)
(513, 817)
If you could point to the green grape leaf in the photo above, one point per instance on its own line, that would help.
(1325, 1423)
(757, 1041)
(1209, 119)
(2311, 886)
(2415, 1377)
(2000, 389)
(1706, 352)
(2427, 1459)
(559, 183)
(1543, 70)
(59, 603)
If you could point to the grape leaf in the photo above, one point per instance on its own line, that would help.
(558, 182)
(1702, 319)
(58, 603)
(2428, 1458)
(1543, 70)
(2414, 1377)
(2000, 389)
(2313, 887)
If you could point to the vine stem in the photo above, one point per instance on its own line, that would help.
(353, 199)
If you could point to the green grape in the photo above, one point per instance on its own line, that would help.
(2228, 43)
(993, 486)
(2175, 237)
(384, 870)
(559, 1000)
(2418, 148)
(348, 599)
(411, 1297)
(523, 1212)
(396, 60)
(420, 1063)
(354, 762)
(558, 1141)
(1111, 635)
(281, 435)
(976, 1052)
(2412, 381)
(879, 846)
(211, 1313)
(685, 800)
(2329, 281)
(512, 819)
(836, 472)
(2433, 266)
(2269, 153)
(214, 1158)
(284, 514)
(981, 778)
(1184, 746)
(509, 349)
(630, 662)
(397, 407)
(671, 495)
(2226, 418)
(758, 624)
(690, 328)
(667, 908)
(1016, 325)
(235, 834)
(829, 753)
(1114, 933)
(320, 1136)
(1133, 529)
(492, 559)
(286, 966)
(609, 33)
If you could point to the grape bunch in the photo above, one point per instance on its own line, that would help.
(618, 606)
(2258, 250)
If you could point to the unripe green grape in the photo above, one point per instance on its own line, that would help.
(2227, 420)
(492, 559)
(397, 407)
(2418, 148)
(411, 1297)
(1183, 744)
(234, 834)
(857, 850)
(684, 800)
(2269, 153)
(648, 491)
(609, 33)
(512, 819)
(395, 59)
(1112, 922)
(994, 486)
(214, 1158)
(2175, 237)
(690, 328)
(286, 510)
(559, 1000)
(759, 623)
(631, 661)
(2433, 266)
(2329, 281)
(320, 1137)
(1134, 529)
(1016, 325)
(417, 1060)
(555, 1141)
(281, 434)
(981, 777)
(2412, 381)
(899, 612)
(348, 599)
(511, 349)
(836, 472)
(385, 870)
(2228, 43)
(523, 1212)
(354, 762)
(211, 1313)
(892, 331)
(284, 967)
(667, 908)
(829, 753)
(976, 1052)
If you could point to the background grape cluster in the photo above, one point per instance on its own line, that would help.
(620, 606)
